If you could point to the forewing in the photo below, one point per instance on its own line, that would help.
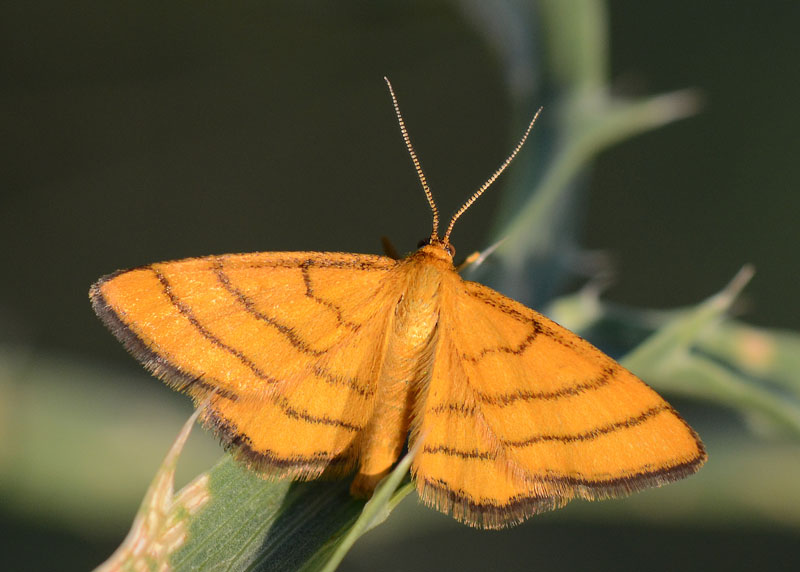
(288, 344)
(522, 415)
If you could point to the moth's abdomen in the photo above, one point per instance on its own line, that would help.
(404, 373)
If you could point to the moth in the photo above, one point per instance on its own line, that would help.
(321, 364)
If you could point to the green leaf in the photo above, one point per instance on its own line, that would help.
(230, 518)
(161, 525)
(253, 523)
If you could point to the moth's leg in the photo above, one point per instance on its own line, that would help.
(477, 258)
(471, 259)
(389, 249)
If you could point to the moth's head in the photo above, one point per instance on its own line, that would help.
(437, 248)
(434, 244)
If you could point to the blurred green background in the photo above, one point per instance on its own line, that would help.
(138, 132)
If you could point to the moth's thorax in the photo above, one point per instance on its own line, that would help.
(418, 309)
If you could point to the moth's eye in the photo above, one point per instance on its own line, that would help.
(451, 250)
(424, 242)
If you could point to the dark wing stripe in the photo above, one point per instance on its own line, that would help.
(208, 383)
(290, 411)
(296, 341)
(476, 291)
(304, 267)
(351, 382)
(458, 408)
(460, 453)
(636, 480)
(233, 438)
(208, 387)
(160, 365)
(211, 384)
(248, 304)
(593, 433)
(186, 311)
(283, 403)
(494, 302)
(568, 438)
(518, 350)
(505, 399)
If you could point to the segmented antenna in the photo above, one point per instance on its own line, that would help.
(424, 181)
(492, 179)
(415, 160)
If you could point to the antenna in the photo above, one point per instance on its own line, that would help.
(415, 160)
(490, 180)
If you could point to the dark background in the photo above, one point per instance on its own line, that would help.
(134, 133)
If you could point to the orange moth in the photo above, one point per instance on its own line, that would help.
(319, 363)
